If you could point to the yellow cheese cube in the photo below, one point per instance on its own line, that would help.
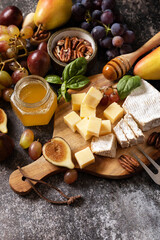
(94, 126)
(92, 98)
(105, 127)
(113, 112)
(84, 157)
(71, 119)
(87, 111)
(76, 100)
(82, 128)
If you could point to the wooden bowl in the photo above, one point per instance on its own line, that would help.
(70, 32)
(37, 42)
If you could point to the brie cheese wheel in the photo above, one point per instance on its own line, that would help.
(144, 105)
(104, 145)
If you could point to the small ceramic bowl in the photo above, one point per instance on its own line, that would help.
(37, 42)
(70, 32)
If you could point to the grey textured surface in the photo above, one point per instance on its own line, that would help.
(110, 209)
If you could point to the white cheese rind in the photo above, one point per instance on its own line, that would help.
(123, 141)
(128, 132)
(144, 105)
(105, 145)
(133, 125)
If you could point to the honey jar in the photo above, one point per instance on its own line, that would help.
(33, 101)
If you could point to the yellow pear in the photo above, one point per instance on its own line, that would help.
(52, 13)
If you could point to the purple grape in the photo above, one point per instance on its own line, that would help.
(112, 53)
(87, 26)
(117, 41)
(96, 14)
(78, 12)
(97, 4)
(106, 42)
(107, 4)
(117, 29)
(129, 36)
(78, 1)
(98, 32)
(125, 27)
(107, 17)
(126, 48)
(87, 4)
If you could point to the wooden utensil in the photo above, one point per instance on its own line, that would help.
(119, 66)
(103, 166)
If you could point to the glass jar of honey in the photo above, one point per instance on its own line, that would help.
(33, 101)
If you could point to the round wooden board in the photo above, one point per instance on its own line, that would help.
(104, 167)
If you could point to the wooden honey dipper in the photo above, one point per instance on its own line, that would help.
(119, 66)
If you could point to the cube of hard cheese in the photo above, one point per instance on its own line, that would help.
(92, 98)
(76, 100)
(113, 112)
(86, 111)
(84, 157)
(82, 128)
(71, 119)
(94, 126)
(105, 127)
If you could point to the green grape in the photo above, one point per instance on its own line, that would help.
(35, 150)
(70, 176)
(13, 31)
(26, 139)
(11, 52)
(3, 29)
(5, 79)
(26, 32)
(4, 37)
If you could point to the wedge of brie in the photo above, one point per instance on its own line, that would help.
(123, 141)
(105, 145)
(144, 105)
(128, 132)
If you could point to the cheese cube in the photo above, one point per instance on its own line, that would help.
(84, 157)
(113, 112)
(87, 111)
(76, 100)
(92, 98)
(71, 119)
(105, 127)
(82, 128)
(94, 126)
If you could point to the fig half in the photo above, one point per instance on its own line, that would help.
(58, 152)
(3, 121)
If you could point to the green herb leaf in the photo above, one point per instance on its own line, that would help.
(77, 82)
(77, 67)
(53, 79)
(59, 95)
(127, 84)
(64, 92)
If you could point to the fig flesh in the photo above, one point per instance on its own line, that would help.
(58, 152)
(6, 146)
(3, 121)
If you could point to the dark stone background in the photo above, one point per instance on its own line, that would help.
(111, 209)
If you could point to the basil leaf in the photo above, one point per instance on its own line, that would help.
(77, 67)
(64, 92)
(53, 79)
(127, 84)
(77, 82)
(59, 95)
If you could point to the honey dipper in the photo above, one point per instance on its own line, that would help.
(119, 66)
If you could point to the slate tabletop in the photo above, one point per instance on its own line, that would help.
(125, 209)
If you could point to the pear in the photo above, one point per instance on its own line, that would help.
(58, 152)
(3, 121)
(52, 13)
(149, 67)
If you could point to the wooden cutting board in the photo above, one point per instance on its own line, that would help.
(103, 166)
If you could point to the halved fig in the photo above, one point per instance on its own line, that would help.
(58, 152)
(3, 121)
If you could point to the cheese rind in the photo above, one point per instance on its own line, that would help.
(86, 111)
(133, 125)
(113, 112)
(82, 126)
(84, 157)
(123, 141)
(104, 145)
(92, 98)
(105, 127)
(128, 132)
(144, 105)
(94, 126)
(76, 100)
(71, 119)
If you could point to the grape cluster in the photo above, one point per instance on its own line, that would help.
(101, 18)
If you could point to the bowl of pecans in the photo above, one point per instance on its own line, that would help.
(68, 44)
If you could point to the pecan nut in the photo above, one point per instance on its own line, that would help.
(152, 138)
(128, 163)
(157, 143)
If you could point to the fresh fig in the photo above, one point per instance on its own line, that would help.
(6, 146)
(58, 152)
(11, 15)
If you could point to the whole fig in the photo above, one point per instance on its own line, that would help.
(6, 146)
